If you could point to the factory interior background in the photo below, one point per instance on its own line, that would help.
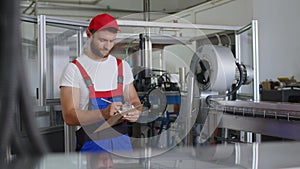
(250, 48)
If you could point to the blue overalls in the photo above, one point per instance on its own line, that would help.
(113, 139)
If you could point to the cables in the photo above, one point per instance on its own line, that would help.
(14, 94)
(240, 80)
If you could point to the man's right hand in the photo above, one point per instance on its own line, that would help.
(111, 109)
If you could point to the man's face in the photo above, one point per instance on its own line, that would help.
(102, 42)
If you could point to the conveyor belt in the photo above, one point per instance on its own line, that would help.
(266, 118)
(262, 109)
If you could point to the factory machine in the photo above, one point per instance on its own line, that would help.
(214, 106)
(215, 97)
(223, 114)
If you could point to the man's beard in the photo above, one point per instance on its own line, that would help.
(97, 52)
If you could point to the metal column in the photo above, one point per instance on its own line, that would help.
(41, 91)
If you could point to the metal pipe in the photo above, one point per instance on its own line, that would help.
(67, 138)
(189, 101)
(79, 41)
(65, 21)
(28, 18)
(242, 136)
(142, 48)
(237, 153)
(148, 52)
(71, 22)
(249, 137)
(175, 25)
(148, 44)
(238, 51)
(76, 2)
(73, 6)
(182, 79)
(94, 5)
(238, 47)
(162, 59)
(256, 96)
(258, 138)
(146, 8)
(255, 155)
(42, 59)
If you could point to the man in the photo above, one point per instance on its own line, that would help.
(94, 88)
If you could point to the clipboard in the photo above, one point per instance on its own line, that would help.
(115, 119)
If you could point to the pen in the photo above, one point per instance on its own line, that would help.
(107, 101)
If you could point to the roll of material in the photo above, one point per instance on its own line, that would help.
(214, 68)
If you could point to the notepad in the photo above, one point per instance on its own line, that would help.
(116, 119)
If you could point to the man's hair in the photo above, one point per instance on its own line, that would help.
(110, 29)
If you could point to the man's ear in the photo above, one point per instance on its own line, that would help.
(88, 33)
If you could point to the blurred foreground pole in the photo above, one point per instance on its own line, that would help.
(14, 100)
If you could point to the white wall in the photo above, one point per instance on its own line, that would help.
(222, 12)
(279, 37)
(279, 30)
(236, 12)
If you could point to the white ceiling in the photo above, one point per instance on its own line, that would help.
(118, 8)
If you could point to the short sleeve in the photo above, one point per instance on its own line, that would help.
(70, 76)
(128, 76)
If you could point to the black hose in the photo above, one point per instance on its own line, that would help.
(240, 80)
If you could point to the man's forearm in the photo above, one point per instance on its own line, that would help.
(83, 117)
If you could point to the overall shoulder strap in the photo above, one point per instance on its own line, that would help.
(86, 77)
(120, 71)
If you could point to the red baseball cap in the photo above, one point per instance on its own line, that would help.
(102, 21)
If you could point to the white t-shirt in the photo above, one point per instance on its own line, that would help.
(103, 75)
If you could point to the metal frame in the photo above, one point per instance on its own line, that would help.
(253, 26)
(42, 59)
(255, 62)
(43, 21)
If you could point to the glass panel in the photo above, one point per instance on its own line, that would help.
(30, 56)
(29, 47)
(61, 48)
